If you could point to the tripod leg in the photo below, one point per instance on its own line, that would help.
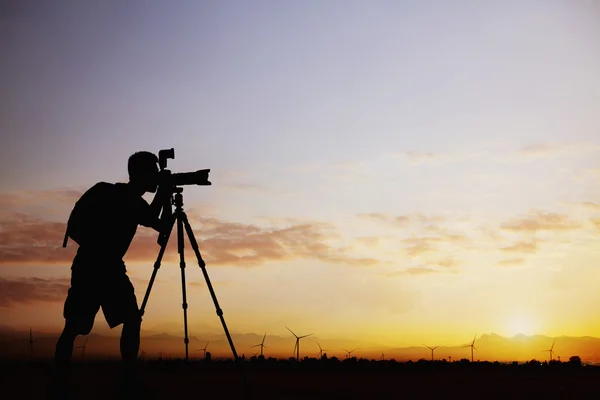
(161, 253)
(184, 305)
(202, 265)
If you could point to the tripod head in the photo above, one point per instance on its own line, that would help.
(166, 216)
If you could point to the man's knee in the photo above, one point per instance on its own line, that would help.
(79, 326)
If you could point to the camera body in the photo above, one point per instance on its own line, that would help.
(166, 178)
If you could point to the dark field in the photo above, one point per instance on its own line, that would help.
(285, 380)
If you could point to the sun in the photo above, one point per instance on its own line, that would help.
(520, 324)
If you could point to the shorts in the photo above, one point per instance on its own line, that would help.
(90, 291)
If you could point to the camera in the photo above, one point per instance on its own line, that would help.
(199, 177)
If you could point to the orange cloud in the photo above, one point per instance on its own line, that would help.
(31, 290)
(590, 205)
(420, 245)
(522, 247)
(447, 263)
(540, 221)
(425, 270)
(27, 239)
(511, 262)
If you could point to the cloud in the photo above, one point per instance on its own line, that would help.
(45, 200)
(368, 241)
(590, 205)
(428, 244)
(32, 290)
(416, 157)
(554, 149)
(424, 270)
(420, 245)
(596, 222)
(511, 262)
(522, 247)
(541, 149)
(27, 240)
(446, 263)
(538, 221)
(420, 271)
(402, 220)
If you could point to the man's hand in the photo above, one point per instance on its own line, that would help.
(163, 194)
(161, 197)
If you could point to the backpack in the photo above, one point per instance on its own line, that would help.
(87, 214)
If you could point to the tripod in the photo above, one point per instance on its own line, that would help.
(180, 217)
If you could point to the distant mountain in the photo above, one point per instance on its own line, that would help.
(518, 347)
(491, 347)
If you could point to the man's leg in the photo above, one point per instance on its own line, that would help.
(130, 339)
(64, 345)
(120, 307)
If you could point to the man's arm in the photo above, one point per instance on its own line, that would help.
(152, 220)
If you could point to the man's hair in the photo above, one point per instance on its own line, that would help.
(140, 163)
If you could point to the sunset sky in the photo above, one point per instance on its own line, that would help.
(395, 172)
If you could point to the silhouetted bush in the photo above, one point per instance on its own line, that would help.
(575, 361)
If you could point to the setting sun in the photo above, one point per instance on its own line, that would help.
(520, 324)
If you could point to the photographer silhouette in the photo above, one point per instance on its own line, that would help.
(103, 223)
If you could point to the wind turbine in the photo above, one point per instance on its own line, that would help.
(261, 344)
(551, 350)
(142, 354)
(432, 349)
(472, 346)
(82, 349)
(349, 352)
(204, 349)
(382, 358)
(321, 350)
(297, 346)
(30, 344)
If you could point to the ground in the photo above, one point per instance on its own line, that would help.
(168, 380)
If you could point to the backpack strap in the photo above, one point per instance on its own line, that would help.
(66, 239)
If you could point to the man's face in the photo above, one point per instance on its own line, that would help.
(152, 179)
(148, 180)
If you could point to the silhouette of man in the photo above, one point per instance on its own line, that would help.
(107, 219)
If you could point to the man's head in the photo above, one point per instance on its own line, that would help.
(143, 170)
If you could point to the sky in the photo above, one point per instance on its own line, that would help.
(391, 172)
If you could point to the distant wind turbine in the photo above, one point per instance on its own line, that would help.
(432, 349)
(261, 344)
(30, 344)
(382, 358)
(472, 346)
(204, 349)
(297, 346)
(551, 350)
(83, 348)
(349, 352)
(142, 354)
(321, 350)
